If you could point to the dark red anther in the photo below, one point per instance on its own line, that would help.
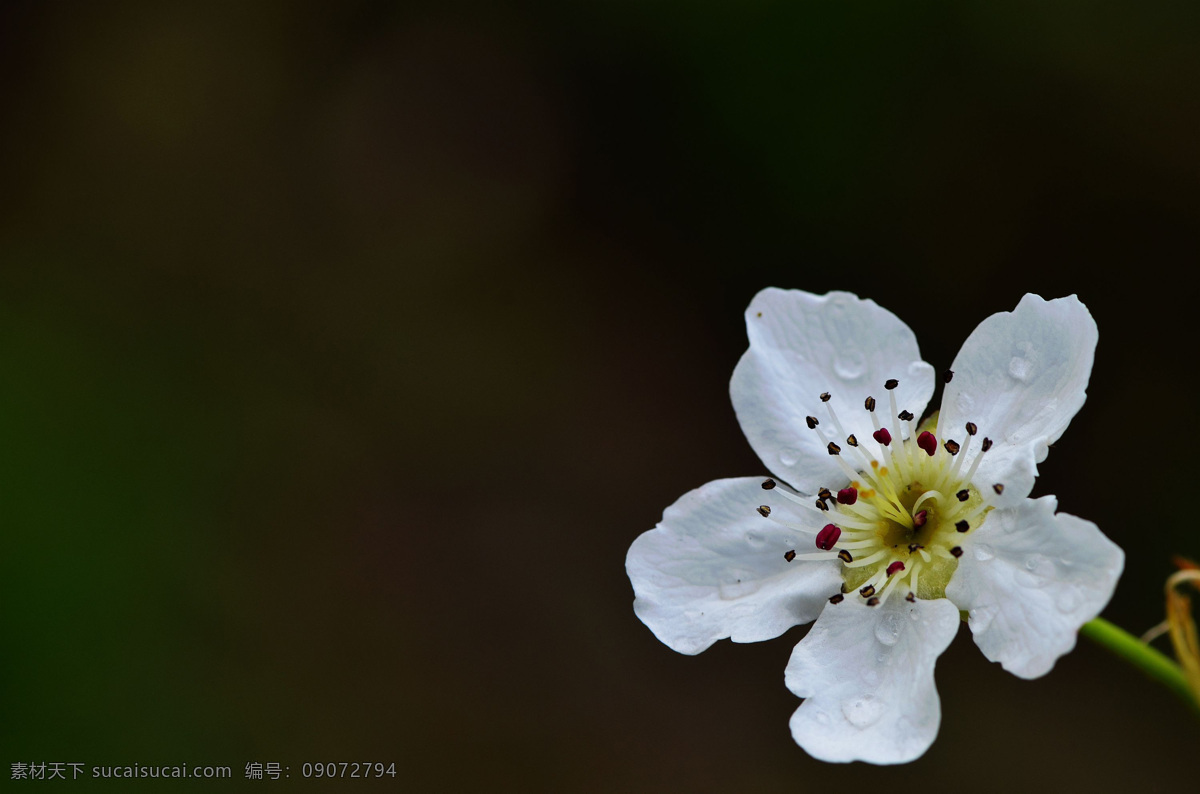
(827, 538)
(927, 442)
(847, 496)
(920, 518)
(895, 568)
(882, 436)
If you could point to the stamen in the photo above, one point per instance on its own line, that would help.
(833, 448)
(827, 538)
(962, 526)
(913, 547)
(987, 444)
(812, 422)
(952, 446)
(867, 591)
(903, 468)
(926, 497)
(963, 495)
(906, 415)
(882, 436)
(845, 556)
(789, 555)
(869, 403)
(825, 493)
(895, 568)
(825, 396)
(822, 506)
(890, 384)
(873, 601)
(879, 555)
(768, 484)
(764, 511)
(957, 551)
(972, 429)
(920, 518)
(998, 488)
(910, 598)
(926, 441)
(837, 598)
(851, 440)
(948, 376)
(847, 496)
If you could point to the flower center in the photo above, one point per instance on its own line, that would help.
(898, 522)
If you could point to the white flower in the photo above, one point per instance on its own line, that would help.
(889, 531)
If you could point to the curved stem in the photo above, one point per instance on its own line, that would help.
(1154, 664)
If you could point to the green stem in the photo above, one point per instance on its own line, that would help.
(1154, 664)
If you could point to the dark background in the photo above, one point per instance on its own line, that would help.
(346, 347)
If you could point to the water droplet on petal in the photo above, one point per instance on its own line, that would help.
(739, 584)
(981, 618)
(1068, 601)
(984, 552)
(1036, 572)
(863, 711)
(756, 540)
(789, 455)
(1019, 368)
(850, 364)
(887, 630)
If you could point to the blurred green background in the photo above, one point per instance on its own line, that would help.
(345, 348)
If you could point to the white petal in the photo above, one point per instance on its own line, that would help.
(867, 674)
(1020, 376)
(1030, 579)
(802, 345)
(714, 568)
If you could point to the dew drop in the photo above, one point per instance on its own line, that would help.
(739, 585)
(789, 455)
(755, 540)
(850, 365)
(984, 552)
(887, 630)
(1036, 572)
(1068, 601)
(1019, 368)
(863, 711)
(981, 618)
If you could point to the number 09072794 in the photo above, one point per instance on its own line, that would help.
(348, 769)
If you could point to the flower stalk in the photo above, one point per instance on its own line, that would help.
(1150, 661)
